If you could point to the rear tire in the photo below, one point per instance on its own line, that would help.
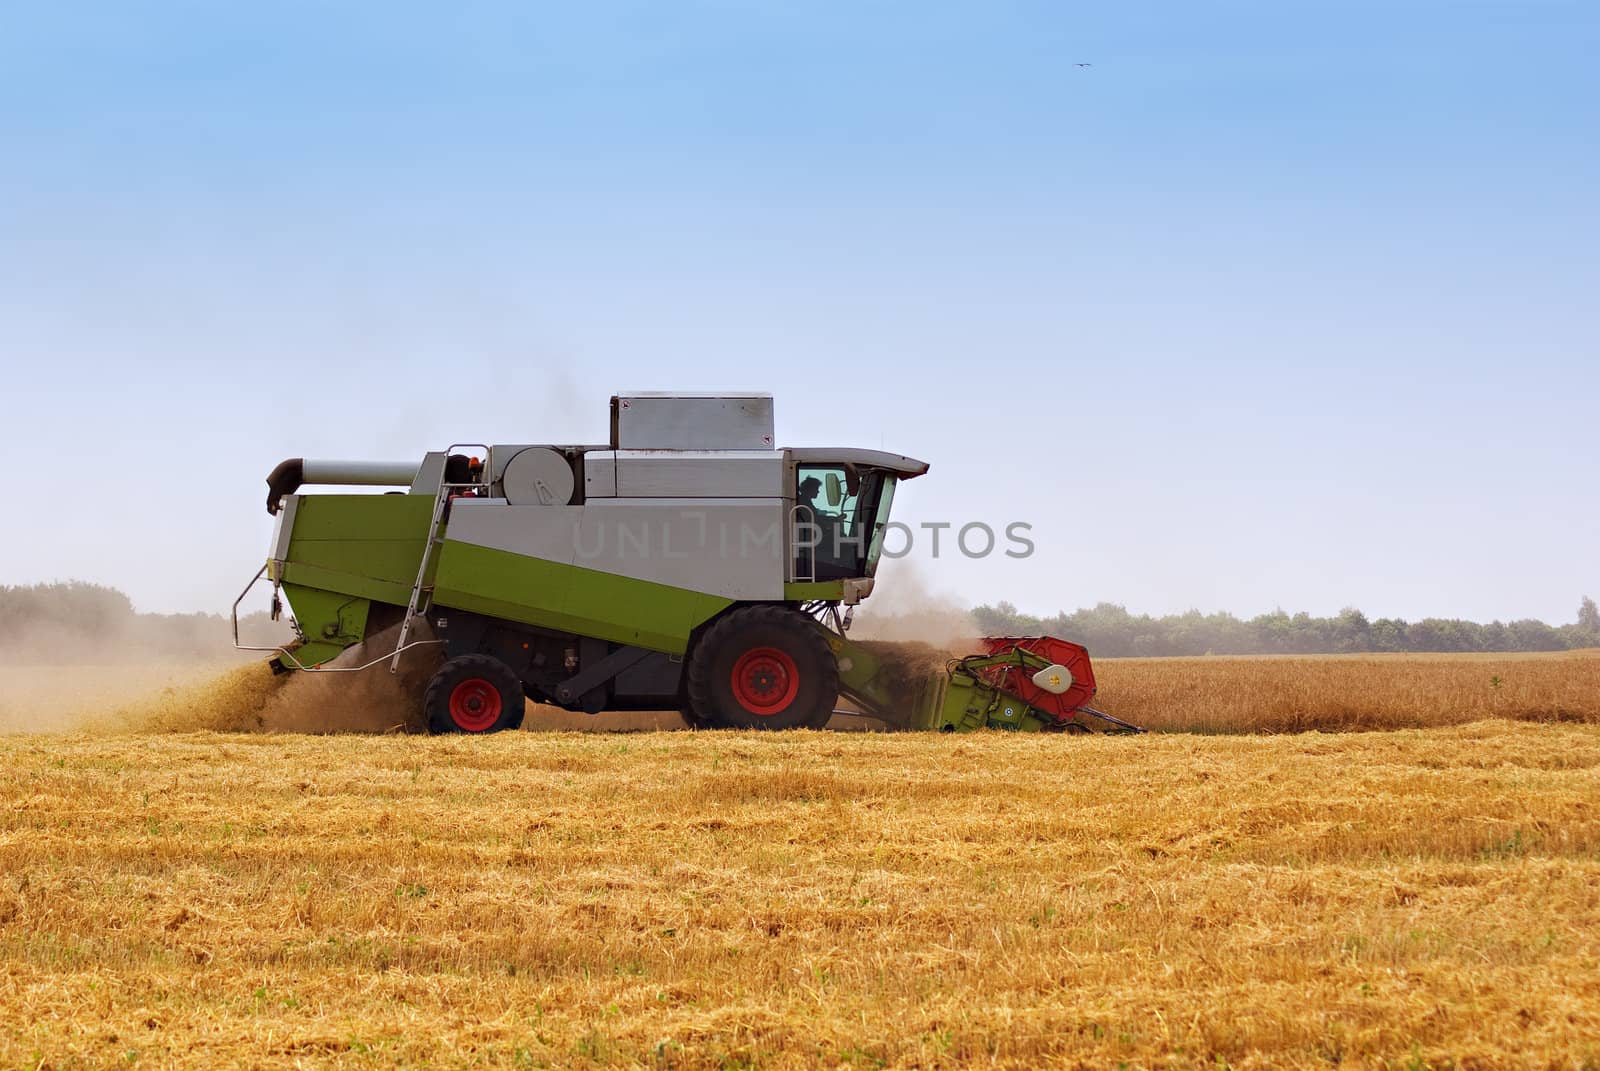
(473, 694)
(762, 667)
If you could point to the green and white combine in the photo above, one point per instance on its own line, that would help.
(687, 564)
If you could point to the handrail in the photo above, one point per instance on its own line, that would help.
(287, 653)
(792, 566)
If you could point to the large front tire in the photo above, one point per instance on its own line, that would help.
(473, 694)
(763, 667)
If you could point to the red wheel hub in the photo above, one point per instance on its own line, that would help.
(475, 705)
(765, 680)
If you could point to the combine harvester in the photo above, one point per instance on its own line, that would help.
(688, 564)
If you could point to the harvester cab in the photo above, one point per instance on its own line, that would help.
(687, 564)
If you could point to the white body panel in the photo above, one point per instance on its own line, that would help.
(600, 474)
(430, 475)
(727, 547)
(283, 528)
(683, 474)
(648, 421)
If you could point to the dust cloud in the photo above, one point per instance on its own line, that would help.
(116, 671)
(118, 691)
(339, 698)
(908, 610)
(914, 632)
(906, 665)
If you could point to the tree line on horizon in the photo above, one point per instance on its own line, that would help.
(36, 617)
(1110, 630)
(79, 621)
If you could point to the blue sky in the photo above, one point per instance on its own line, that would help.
(1274, 305)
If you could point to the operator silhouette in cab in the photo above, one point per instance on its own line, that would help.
(807, 498)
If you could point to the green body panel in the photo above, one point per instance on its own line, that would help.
(570, 598)
(315, 576)
(814, 591)
(391, 518)
(968, 703)
(345, 553)
(361, 544)
(330, 620)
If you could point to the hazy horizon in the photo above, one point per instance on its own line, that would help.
(906, 596)
(1268, 307)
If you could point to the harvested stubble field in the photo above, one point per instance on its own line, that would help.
(1403, 899)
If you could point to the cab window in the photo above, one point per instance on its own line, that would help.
(833, 521)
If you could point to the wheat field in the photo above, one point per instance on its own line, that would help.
(1338, 693)
(1410, 899)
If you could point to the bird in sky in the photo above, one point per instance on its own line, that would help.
(1083, 65)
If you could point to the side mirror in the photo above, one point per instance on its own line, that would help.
(835, 489)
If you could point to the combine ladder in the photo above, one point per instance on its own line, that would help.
(422, 590)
